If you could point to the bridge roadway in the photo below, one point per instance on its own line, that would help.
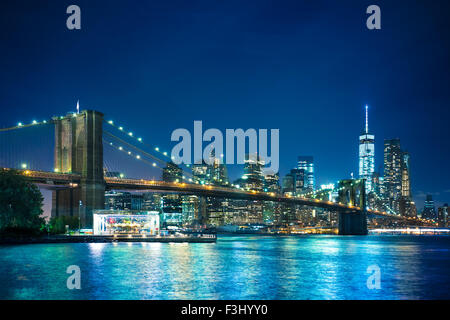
(57, 180)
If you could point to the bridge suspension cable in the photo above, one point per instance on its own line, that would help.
(138, 139)
(140, 156)
(20, 125)
(141, 151)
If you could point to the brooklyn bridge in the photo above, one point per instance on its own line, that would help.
(78, 176)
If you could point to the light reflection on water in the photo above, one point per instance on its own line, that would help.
(246, 267)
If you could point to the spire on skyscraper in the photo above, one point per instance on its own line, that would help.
(367, 119)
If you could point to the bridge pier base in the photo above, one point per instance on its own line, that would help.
(353, 223)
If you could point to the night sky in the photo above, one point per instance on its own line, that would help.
(305, 67)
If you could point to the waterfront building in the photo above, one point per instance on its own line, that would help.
(123, 201)
(393, 162)
(443, 216)
(367, 156)
(271, 212)
(190, 209)
(216, 211)
(172, 212)
(152, 201)
(429, 210)
(306, 163)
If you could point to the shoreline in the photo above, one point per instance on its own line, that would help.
(101, 239)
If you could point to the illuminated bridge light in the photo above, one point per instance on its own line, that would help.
(157, 149)
(120, 148)
(130, 134)
(140, 139)
(34, 122)
(120, 128)
(110, 122)
(165, 153)
(129, 152)
(154, 164)
(45, 121)
(24, 165)
(19, 124)
(138, 157)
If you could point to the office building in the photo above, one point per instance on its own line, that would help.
(443, 216)
(393, 162)
(367, 156)
(306, 163)
(123, 201)
(429, 210)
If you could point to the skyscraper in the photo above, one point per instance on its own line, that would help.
(406, 206)
(429, 210)
(253, 177)
(393, 159)
(367, 155)
(307, 164)
(406, 180)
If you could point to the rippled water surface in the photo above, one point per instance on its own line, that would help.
(246, 267)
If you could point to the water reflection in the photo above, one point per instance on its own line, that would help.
(308, 267)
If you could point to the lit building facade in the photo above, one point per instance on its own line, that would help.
(253, 178)
(443, 216)
(172, 173)
(109, 222)
(393, 163)
(271, 183)
(406, 180)
(123, 201)
(367, 156)
(306, 163)
(429, 210)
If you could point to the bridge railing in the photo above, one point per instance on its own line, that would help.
(71, 179)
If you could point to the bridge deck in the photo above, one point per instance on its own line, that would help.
(72, 180)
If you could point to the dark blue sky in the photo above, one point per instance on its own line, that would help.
(305, 67)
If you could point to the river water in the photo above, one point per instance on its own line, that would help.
(236, 267)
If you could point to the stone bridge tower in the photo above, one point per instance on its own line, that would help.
(79, 149)
(353, 221)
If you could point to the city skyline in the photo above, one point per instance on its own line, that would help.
(226, 157)
(318, 98)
